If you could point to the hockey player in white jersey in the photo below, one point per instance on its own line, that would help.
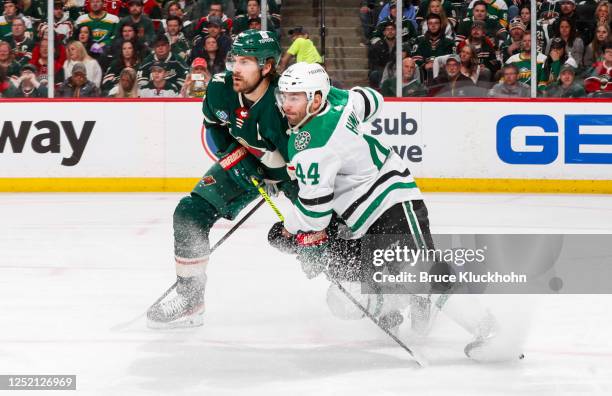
(344, 172)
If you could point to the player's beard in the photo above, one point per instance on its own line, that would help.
(246, 87)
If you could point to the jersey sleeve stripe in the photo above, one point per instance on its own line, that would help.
(374, 94)
(317, 201)
(351, 209)
(366, 101)
(376, 202)
(310, 213)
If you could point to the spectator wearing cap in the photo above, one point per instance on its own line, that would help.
(62, 25)
(380, 52)
(39, 60)
(493, 28)
(159, 86)
(128, 58)
(411, 86)
(142, 23)
(496, 9)
(510, 86)
(431, 45)
(21, 44)
(215, 30)
(450, 82)
(77, 85)
(485, 51)
(78, 55)
(302, 49)
(127, 86)
(409, 32)
(176, 70)
(522, 60)
(594, 52)
(200, 28)
(7, 60)
(600, 80)
(409, 12)
(253, 10)
(566, 86)
(555, 59)
(444, 8)
(179, 44)
(574, 46)
(512, 45)
(197, 80)
(102, 25)
(10, 12)
(27, 85)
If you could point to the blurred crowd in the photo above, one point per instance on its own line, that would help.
(464, 48)
(482, 48)
(126, 49)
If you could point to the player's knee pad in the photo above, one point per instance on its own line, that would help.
(193, 218)
(343, 308)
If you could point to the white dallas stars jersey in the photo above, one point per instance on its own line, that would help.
(340, 169)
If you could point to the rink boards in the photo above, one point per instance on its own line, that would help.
(449, 145)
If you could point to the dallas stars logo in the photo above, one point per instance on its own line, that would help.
(302, 140)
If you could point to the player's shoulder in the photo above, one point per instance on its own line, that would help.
(220, 83)
(219, 90)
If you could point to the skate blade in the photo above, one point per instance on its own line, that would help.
(194, 320)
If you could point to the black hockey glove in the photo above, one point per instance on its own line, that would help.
(286, 244)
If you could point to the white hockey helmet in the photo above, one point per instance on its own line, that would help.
(309, 78)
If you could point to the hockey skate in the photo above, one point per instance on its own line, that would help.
(183, 307)
(490, 345)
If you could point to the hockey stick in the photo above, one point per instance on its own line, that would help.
(216, 245)
(417, 358)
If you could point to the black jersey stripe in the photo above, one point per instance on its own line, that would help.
(316, 201)
(367, 103)
(351, 209)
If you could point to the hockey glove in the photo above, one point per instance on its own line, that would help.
(241, 165)
(313, 252)
(282, 241)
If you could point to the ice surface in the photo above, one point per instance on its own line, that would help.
(75, 269)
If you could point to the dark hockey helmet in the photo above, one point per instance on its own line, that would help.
(260, 44)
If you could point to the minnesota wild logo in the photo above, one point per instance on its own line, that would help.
(302, 140)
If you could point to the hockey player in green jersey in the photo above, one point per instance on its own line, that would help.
(250, 134)
(342, 171)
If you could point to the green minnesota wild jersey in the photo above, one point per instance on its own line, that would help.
(102, 29)
(259, 127)
(340, 169)
(524, 67)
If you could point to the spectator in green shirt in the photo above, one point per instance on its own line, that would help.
(303, 49)
(566, 86)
